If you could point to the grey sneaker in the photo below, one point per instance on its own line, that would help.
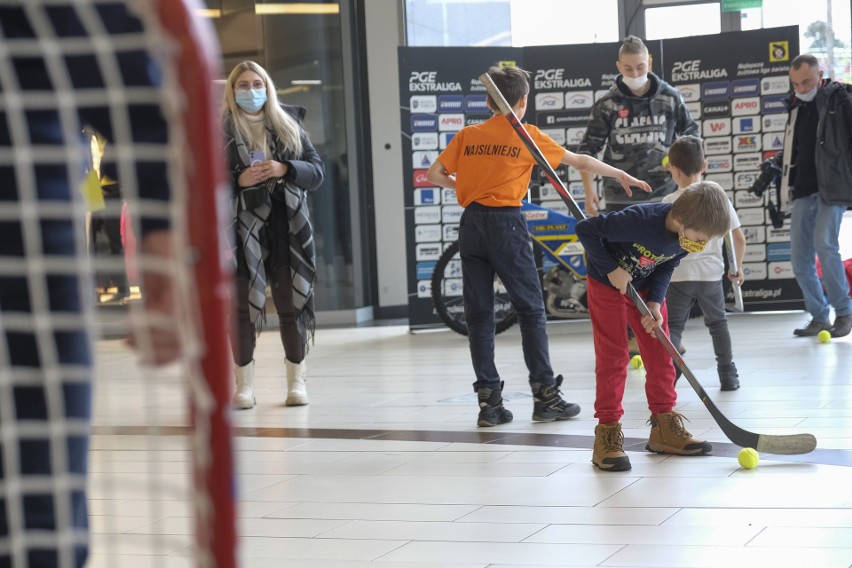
(813, 328)
(842, 326)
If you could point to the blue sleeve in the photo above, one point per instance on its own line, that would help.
(658, 282)
(591, 232)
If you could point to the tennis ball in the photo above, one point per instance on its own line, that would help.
(665, 160)
(824, 336)
(636, 362)
(748, 458)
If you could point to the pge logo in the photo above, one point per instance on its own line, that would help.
(574, 136)
(747, 106)
(579, 99)
(558, 134)
(549, 74)
(549, 101)
(691, 92)
(694, 109)
(423, 77)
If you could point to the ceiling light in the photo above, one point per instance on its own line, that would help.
(302, 8)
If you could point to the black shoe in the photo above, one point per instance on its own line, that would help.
(728, 377)
(842, 326)
(549, 405)
(813, 328)
(491, 409)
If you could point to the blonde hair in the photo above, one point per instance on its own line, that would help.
(703, 207)
(284, 125)
(631, 45)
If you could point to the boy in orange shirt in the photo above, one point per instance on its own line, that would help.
(489, 167)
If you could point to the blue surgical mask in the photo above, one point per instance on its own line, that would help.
(809, 96)
(251, 101)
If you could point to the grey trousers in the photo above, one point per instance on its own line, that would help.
(711, 299)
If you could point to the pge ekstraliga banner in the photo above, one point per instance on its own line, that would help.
(733, 84)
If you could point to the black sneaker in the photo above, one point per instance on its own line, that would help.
(549, 405)
(812, 329)
(842, 326)
(728, 377)
(491, 409)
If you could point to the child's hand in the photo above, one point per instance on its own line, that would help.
(737, 278)
(620, 278)
(650, 324)
(627, 181)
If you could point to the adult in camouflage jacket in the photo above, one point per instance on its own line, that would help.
(634, 124)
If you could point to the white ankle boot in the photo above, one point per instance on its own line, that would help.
(244, 396)
(297, 394)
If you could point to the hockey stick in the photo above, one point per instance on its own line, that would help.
(785, 444)
(734, 269)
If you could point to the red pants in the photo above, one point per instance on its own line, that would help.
(611, 312)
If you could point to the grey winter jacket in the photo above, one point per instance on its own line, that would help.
(635, 134)
(834, 142)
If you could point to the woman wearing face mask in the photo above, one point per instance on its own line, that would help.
(273, 165)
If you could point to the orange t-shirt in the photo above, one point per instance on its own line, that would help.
(492, 165)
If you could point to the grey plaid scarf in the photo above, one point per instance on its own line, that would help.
(251, 216)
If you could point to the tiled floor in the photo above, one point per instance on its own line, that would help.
(386, 467)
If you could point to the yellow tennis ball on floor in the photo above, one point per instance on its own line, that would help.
(748, 458)
(824, 336)
(636, 362)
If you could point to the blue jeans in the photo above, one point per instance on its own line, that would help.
(494, 240)
(814, 231)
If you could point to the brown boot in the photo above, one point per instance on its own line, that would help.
(668, 436)
(608, 454)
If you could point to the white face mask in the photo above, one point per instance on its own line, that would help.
(807, 97)
(635, 83)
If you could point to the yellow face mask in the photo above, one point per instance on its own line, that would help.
(689, 245)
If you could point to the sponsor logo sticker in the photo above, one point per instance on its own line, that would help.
(454, 122)
(719, 164)
(579, 99)
(747, 143)
(423, 104)
(690, 92)
(779, 51)
(549, 101)
(746, 124)
(424, 141)
(747, 106)
(427, 233)
(774, 122)
(773, 141)
(427, 196)
(775, 85)
(715, 91)
(780, 270)
(424, 122)
(724, 180)
(424, 158)
(717, 127)
(747, 162)
(427, 215)
(717, 145)
(745, 88)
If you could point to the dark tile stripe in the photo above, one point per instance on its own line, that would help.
(720, 449)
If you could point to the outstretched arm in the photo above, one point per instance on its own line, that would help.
(586, 163)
